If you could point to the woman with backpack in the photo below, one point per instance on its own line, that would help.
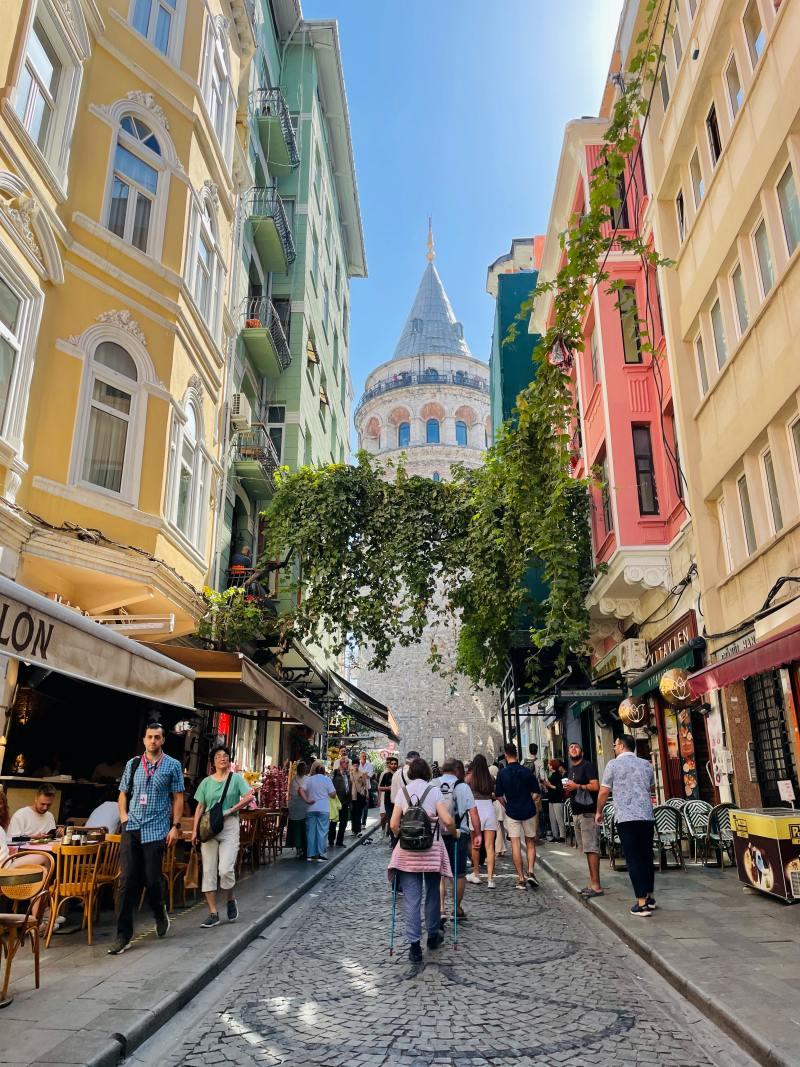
(419, 859)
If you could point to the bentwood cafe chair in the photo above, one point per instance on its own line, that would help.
(76, 879)
(28, 889)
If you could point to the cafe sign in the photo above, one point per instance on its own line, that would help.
(668, 643)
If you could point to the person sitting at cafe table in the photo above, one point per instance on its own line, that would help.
(107, 813)
(4, 821)
(150, 799)
(35, 819)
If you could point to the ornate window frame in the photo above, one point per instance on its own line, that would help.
(205, 230)
(217, 62)
(201, 465)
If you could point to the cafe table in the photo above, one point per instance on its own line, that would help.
(13, 883)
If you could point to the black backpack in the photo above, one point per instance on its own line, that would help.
(416, 829)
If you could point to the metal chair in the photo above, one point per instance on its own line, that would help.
(719, 835)
(695, 815)
(18, 927)
(76, 875)
(668, 834)
(613, 843)
(675, 802)
(569, 824)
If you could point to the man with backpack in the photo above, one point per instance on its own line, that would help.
(420, 860)
(460, 803)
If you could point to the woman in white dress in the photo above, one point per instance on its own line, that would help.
(480, 781)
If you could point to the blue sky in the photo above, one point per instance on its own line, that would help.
(457, 109)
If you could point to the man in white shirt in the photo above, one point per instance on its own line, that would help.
(400, 778)
(107, 814)
(35, 818)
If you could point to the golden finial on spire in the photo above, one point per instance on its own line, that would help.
(431, 254)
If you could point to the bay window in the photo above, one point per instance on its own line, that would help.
(189, 475)
(11, 308)
(218, 90)
(208, 268)
(113, 389)
(158, 21)
(135, 180)
(645, 470)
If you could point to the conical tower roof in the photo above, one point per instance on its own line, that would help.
(431, 326)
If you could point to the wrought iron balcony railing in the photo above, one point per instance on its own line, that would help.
(431, 376)
(271, 104)
(266, 204)
(255, 446)
(258, 313)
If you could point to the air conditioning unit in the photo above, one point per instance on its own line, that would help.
(632, 655)
(240, 412)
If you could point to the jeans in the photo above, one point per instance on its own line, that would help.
(557, 819)
(357, 810)
(316, 833)
(411, 884)
(636, 837)
(140, 865)
(336, 829)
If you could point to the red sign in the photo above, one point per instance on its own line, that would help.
(224, 723)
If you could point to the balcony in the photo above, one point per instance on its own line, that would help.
(270, 230)
(255, 461)
(428, 377)
(275, 130)
(263, 336)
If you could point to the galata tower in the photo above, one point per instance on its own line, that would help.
(431, 402)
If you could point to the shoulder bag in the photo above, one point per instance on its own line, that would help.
(212, 819)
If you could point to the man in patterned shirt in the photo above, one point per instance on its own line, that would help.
(150, 809)
(630, 780)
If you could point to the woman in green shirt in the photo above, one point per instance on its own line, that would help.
(219, 854)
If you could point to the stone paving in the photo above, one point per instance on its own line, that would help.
(323, 990)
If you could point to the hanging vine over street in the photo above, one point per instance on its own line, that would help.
(381, 552)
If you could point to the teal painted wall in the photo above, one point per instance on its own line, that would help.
(511, 366)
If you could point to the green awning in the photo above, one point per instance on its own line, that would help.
(647, 682)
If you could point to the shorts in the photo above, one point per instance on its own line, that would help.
(461, 847)
(520, 827)
(586, 832)
(486, 814)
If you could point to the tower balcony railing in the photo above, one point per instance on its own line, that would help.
(431, 376)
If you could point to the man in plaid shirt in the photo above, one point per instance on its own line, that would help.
(150, 809)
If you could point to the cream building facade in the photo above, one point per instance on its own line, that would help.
(120, 168)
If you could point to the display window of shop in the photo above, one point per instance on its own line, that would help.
(772, 750)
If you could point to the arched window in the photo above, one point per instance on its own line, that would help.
(112, 400)
(462, 437)
(436, 476)
(432, 431)
(189, 475)
(135, 180)
(208, 268)
(403, 435)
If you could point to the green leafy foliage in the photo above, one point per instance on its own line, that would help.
(233, 619)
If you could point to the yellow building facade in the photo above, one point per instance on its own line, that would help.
(119, 165)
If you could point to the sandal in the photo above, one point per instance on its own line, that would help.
(588, 894)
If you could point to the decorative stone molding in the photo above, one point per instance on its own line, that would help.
(21, 212)
(125, 321)
(195, 384)
(212, 192)
(620, 607)
(651, 575)
(148, 101)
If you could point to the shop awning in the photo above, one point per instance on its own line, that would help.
(685, 656)
(366, 709)
(39, 631)
(772, 652)
(230, 681)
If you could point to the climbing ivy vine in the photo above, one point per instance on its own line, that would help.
(382, 553)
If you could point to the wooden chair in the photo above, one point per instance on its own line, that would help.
(18, 927)
(108, 868)
(248, 826)
(272, 831)
(76, 875)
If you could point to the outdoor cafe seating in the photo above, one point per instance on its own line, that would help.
(24, 879)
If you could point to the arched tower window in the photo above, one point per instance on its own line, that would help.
(461, 433)
(436, 476)
(432, 431)
(403, 435)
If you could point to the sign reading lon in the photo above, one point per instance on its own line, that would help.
(24, 632)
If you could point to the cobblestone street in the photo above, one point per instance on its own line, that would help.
(320, 988)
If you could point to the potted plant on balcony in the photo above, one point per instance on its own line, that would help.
(252, 324)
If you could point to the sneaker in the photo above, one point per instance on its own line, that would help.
(641, 911)
(211, 920)
(532, 881)
(651, 903)
(522, 886)
(434, 941)
(233, 911)
(162, 923)
(310, 859)
(415, 952)
(322, 859)
(490, 884)
(118, 947)
(475, 879)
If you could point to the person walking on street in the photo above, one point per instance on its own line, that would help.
(384, 794)
(631, 781)
(583, 788)
(460, 802)
(317, 791)
(480, 782)
(343, 787)
(150, 810)
(296, 828)
(518, 790)
(359, 793)
(415, 870)
(364, 770)
(555, 799)
(220, 853)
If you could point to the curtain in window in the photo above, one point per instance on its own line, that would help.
(106, 440)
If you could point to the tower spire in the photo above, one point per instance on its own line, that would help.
(431, 254)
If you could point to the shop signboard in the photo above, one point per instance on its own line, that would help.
(668, 642)
(733, 648)
(767, 846)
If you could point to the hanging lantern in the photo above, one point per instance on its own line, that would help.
(674, 687)
(633, 714)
